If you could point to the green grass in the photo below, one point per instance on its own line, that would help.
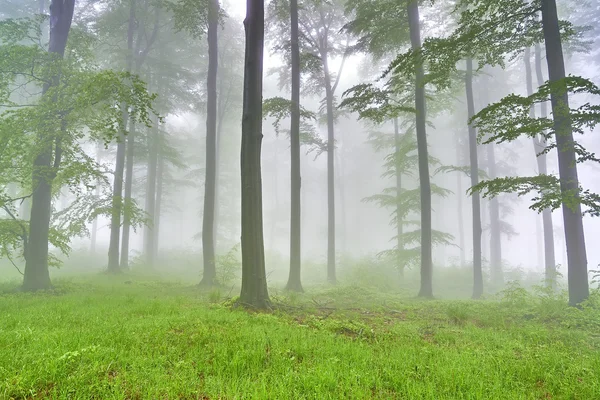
(123, 338)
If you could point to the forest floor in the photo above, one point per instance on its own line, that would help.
(127, 338)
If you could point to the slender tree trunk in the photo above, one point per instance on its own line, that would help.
(117, 201)
(36, 274)
(579, 289)
(424, 178)
(399, 211)
(542, 162)
(331, 276)
(476, 203)
(294, 280)
(128, 189)
(209, 275)
(160, 183)
(150, 206)
(254, 291)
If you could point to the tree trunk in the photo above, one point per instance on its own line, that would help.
(254, 291)
(150, 206)
(294, 280)
(117, 200)
(128, 187)
(331, 276)
(36, 274)
(399, 211)
(549, 252)
(422, 150)
(569, 182)
(208, 218)
(476, 203)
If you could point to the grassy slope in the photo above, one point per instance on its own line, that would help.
(112, 340)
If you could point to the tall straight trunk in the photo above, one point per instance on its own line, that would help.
(160, 183)
(459, 198)
(117, 198)
(497, 274)
(128, 190)
(254, 291)
(94, 233)
(424, 178)
(36, 274)
(208, 218)
(331, 276)
(399, 211)
(294, 280)
(150, 206)
(339, 170)
(579, 289)
(475, 200)
(542, 162)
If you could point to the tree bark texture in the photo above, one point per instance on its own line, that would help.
(569, 182)
(254, 291)
(422, 150)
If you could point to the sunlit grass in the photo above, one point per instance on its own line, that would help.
(128, 338)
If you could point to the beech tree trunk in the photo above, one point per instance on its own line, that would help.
(475, 200)
(94, 233)
(497, 275)
(254, 291)
(160, 180)
(128, 188)
(46, 163)
(460, 194)
(117, 199)
(542, 162)
(567, 161)
(208, 218)
(422, 150)
(295, 281)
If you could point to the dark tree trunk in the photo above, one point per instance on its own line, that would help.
(399, 211)
(579, 289)
(160, 179)
(331, 276)
(36, 274)
(128, 187)
(476, 203)
(422, 150)
(254, 291)
(117, 200)
(295, 280)
(549, 252)
(150, 206)
(208, 218)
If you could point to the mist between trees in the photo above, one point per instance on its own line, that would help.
(318, 141)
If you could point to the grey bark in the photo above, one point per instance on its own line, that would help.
(399, 211)
(254, 291)
(45, 165)
(567, 161)
(426, 289)
(150, 206)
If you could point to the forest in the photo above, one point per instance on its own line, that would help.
(299, 199)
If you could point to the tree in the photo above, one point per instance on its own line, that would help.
(254, 292)
(295, 280)
(208, 231)
(321, 38)
(567, 159)
(474, 173)
(36, 275)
